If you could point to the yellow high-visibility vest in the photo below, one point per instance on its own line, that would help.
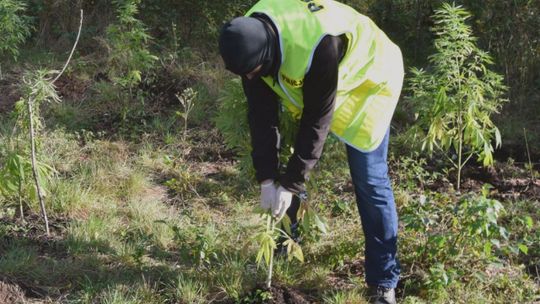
(370, 74)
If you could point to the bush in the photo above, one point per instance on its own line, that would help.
(454, 241)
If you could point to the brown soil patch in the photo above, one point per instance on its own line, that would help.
(11, 293)
(285, 295)
(72, 88)
(9, 94)
(32, 230)
(340, 278)
(509, 182)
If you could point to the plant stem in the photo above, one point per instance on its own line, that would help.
(460, 165)
(528, 154)
(272, 224)
(185, 127)
(21, 210)
(34, 168)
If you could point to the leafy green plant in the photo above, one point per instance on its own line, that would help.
(129, 57)
(233, 124)
(128, 42)
(266, 241)
(410, 172)
(312, 225)
(38, 88)
(16, 175)
(14, 26)
(257, 296)
(455, 239)
(455, 98)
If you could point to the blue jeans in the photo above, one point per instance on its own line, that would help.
(375, 200)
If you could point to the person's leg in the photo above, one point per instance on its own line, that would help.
(375, 200)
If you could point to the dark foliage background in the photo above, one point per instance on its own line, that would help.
(509, 30)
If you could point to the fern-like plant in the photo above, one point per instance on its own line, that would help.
(456, 96)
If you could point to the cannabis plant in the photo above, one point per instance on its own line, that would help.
(187, 100)
(37, 88)
(456, 96)
(232, 122)
(128, 41)
(14, 26)
(266, 241)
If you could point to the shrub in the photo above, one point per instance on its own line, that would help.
(454, 241)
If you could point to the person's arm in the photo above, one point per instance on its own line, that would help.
(320, 87)
(263, 121)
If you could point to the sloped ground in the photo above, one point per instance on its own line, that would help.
(145, 217)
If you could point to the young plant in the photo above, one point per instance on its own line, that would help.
(266, 240)
(187, 100)
(455, 98)
(15, 175)
(38, 88)
(128, 44)
(451, 239)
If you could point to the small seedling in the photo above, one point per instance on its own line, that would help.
(187, 100)
(266, 241)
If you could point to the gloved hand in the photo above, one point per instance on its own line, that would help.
(282, 202)
(268, 194)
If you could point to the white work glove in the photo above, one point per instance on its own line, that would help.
(282, 203)
(268, 194)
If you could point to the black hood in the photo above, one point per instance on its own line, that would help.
(245, 43)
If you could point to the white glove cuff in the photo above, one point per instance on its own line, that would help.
(267, 184)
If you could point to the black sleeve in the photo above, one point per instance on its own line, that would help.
(263, 120)
(320, 86)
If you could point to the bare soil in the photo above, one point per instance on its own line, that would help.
(340, 277)
(11, 293)
(510, 182)
(31, 229)
(285, 295)
(8, 94)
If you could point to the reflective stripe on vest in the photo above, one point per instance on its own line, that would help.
(370, 74)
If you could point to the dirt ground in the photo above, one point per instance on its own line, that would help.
(11, 293)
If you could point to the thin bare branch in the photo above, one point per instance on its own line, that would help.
(72, 50)
(34, 165)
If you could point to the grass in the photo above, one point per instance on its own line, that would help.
(144, 217)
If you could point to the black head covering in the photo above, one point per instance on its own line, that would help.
(245, 43)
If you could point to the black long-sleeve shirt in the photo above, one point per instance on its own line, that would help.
(319, 91)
